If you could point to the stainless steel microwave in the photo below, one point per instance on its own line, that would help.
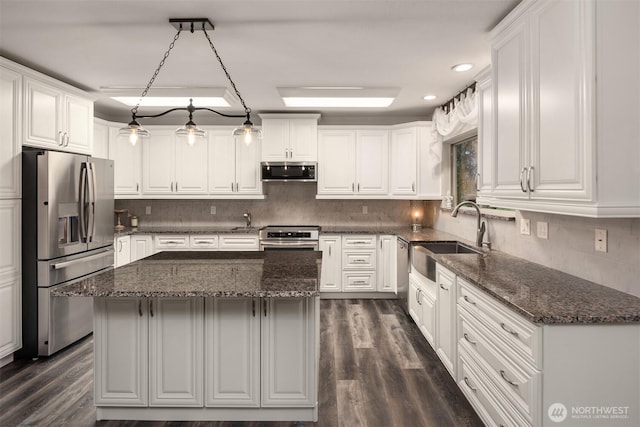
(288, 171)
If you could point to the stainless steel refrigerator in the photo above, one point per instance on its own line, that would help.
(67, 235)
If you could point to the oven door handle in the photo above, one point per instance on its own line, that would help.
(309, 243)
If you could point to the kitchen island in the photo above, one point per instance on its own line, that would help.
(207, 336)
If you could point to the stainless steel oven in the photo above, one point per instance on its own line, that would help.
(289, 237)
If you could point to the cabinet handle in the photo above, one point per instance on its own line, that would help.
(137, 187)
(176, 186)
(469, 340)
(172, 186)
(522, 187)
(237, 186)
(529, 173)
(119, 246)
(353, 187)
(506, 328)
(442, 287)
(359, 282)
(264, 302)
(291, 153)
(466, 298)
(151, 307)
(140, 307)
(418, 296)
(60, 138)
(359, 261)
(503, 374)
(253, 307)
(358, 187)
(466, 381)
(329, 250)
(232, 187)
(478, 181)
(413, 186)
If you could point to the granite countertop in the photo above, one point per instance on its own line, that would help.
(207, 274)
(186, 230)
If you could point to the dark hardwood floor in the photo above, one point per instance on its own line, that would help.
(376, 370)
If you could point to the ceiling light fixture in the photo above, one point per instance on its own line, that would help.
(337, 96)
(190, 130)
(429, 97)
(462, 67)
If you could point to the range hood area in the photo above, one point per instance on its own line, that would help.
(288, 171)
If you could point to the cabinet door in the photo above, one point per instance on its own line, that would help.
(509, 112)
(11, 242)
(158, 163)
(372, 162)
(10, 315)
(430, 170)
(428, 317)
(289, 346)
(120, 339)
(303, 140)
(232, 352)
(127, 164)
(191, 167)
(239, 242)
(222, 162)
(561, 54)
(358, 280)
(78, 124)
(10, 143)
(248, 168)
(100, 139)
(415, 311)
(404, 161)
(331, 275)
(336, 162)
(43, 110)
(446, 318)
(386, 271)
(141, 247)
(275, 140)
(122, 251)
(485, 138)
(175, 352)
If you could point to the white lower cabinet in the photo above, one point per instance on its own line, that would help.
(10, 315)
(331, 274)
(359, 263)
(422, 308)
(446, 345)
(122, 251)
(387, 270)
(210, 354)
(141, 246)
(239, 242)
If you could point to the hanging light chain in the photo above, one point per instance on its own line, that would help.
(134, 110)
(246, 109)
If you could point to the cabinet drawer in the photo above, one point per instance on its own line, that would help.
(517, 334)
(359, 241)
(485, 399)
(203, 242)
(520, 386)
(355, 281)
(166, 241)
(238, 242)
(362, 259)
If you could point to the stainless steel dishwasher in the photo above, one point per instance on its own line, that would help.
(403, 273)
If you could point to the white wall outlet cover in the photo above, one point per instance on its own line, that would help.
(542, 229)
(213, 210)
(601, 240)
(147, 210)
(365, 209)
(525, 226)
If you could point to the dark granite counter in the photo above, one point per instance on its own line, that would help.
(186, 230)
(207, 274)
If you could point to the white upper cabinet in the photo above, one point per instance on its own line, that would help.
(10, 127)
(234, 167)
(565, 143)
(100, 139)
(416, 162)
(353, 162)
(127, 162)
(404, 146)
(485, 136)
(290, 137)
(55, 118)
(171, 166)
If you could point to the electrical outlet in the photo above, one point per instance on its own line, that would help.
(213, 210)
(147, 210)
(543, 229)
(525, 226)
(601, 240)
(365, 209)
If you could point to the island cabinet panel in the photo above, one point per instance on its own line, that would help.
(176, 352)
(121, 352)
(232, 352)
(289, 345)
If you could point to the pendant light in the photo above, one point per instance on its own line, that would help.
(190, 132)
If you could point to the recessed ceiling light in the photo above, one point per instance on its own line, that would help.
(337, 96)
(429, 97)
(462, 67)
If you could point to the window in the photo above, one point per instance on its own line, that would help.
(464, 159)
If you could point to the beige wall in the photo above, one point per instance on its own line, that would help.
(570, 247)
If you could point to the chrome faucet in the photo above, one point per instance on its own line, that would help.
(481, 224)
(247, 217)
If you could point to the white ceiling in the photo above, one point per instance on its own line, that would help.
(265, 44)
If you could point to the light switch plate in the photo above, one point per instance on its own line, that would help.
(601, 240)
(525, 226)
(542, 229)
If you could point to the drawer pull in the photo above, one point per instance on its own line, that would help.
(504, 377)
(466, 298)
(140, 307)
(466, 381)
(359, 261)
(469, 340)
(359, 282)
(442, 287)
(506, 328)
(359, 243)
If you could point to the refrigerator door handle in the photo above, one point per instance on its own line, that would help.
(92, 202)
(82, 202)
(65, 264)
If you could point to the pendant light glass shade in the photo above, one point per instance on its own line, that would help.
(247, 133)
(191, 133)
(134, 132)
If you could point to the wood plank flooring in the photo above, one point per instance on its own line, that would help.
(376, 370)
